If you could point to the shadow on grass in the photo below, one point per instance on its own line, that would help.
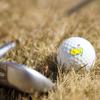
(12, 94)
(49, 67)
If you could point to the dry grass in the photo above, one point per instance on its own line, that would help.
(39, 27)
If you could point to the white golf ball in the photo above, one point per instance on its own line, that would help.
(76, 52)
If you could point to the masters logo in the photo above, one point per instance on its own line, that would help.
(76, 51)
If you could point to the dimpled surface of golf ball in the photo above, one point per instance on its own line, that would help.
(76, 52)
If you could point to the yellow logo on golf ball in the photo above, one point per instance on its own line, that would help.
(76, 51)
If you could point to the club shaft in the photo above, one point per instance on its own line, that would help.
(78, 6)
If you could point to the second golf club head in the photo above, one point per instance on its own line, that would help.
(23, 78)
(6, 47)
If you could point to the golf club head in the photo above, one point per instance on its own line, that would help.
(6, 47)
(23, 78)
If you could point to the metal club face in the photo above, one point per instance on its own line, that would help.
(23, 78)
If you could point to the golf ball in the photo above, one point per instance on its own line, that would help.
(76, 52)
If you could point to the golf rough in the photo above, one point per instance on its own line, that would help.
(77, 53)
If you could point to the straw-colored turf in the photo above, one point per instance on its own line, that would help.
(39, 26)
